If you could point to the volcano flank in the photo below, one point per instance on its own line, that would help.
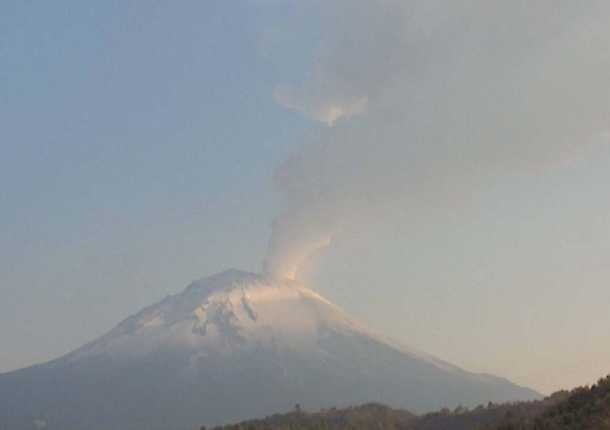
(232, 346)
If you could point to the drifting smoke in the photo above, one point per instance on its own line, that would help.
(319, 107)
(428, 100)
(289, 248)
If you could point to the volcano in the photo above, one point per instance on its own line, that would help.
(232, 346)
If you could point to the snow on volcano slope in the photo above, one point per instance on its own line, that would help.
(232, 346)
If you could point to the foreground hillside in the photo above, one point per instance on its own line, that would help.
(585, 408)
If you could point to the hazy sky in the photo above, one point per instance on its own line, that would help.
(454, 153)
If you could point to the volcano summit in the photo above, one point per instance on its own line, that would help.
(231, 346)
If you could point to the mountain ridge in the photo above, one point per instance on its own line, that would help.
(232, 346)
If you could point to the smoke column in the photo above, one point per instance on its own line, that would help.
(430, 100)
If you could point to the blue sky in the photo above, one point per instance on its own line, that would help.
(123, 125)
(139, 140)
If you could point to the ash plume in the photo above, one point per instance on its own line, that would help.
(431, 100)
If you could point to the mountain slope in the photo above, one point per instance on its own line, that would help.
(233, 346)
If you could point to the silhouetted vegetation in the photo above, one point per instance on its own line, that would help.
(369, 416)
(584, 408)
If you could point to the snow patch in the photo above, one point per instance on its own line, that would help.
(231, 311)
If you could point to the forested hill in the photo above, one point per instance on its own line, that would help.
(369, 416)
(584, 408)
